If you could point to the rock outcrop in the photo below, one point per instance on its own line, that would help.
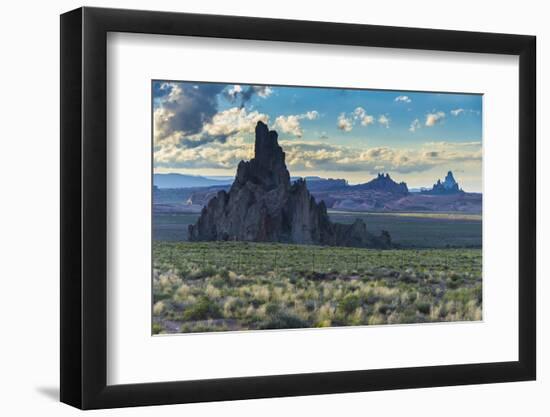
(449, 186)
(263, 206)
(384, 183)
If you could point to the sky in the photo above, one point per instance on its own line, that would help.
(207, 128)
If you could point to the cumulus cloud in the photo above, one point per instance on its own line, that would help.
(361, 114)
(404, 99)
(384, 120)
(315, 156)
(434, 118)
(457, 112)
(186, 115)
(234, 120)
(214, 155)
(444, 143)
(344, 123)
(291, 124)
(184, 109)
(244, 94)
(263, 91)
(190, 133)
(226, 126)
(415, 124)
(232, 92)
(304, 156)
(310, 115)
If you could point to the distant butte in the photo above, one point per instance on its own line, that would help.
(449, 186)
(384, 183)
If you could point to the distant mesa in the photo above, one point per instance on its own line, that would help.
(315, 184)
(448, 186)
(263, 205)
(384, 183)
(174, 180)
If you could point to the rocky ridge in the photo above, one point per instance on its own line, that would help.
(384, 183)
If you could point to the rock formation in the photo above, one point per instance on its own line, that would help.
(263, 206)
(449, 186)
(384, 183)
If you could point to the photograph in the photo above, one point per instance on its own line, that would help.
(264, 206)
(292, 207)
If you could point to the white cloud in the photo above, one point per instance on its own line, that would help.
(310, 115)
(245, 94)
(344, 123)
(457, 112)
(318, 156)
(404, 99)
(367, 120)
(453, 144)
(291, 124)
(234, 91)
(234, 120)
(161, 124)
(312, 156)
(360, 114)
(384, 120)
(212, 155)
(263, 91)
(225, 126)
(434, 118)
(415, 124)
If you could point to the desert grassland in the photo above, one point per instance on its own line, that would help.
(224, 286)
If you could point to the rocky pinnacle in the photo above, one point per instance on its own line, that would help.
(263, 206)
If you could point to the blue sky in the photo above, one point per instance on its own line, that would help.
(207, 128)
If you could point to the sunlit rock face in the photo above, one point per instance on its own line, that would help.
(263, 206)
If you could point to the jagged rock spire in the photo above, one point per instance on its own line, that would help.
(448, 186)
(267, 151)
(263, 206)
(268, 166)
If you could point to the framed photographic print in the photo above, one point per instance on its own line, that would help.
(256, 207)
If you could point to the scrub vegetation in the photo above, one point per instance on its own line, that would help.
(223, 286)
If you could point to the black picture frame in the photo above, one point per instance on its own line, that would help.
(84, 207)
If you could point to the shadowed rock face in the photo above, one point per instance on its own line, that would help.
(263, 206)
(449, 186)
(384, 183)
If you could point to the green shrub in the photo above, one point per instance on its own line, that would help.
(157, 328)
(219, 282)
(349, 303)
(284, 320)
(424, 308)
(272, 308)
(203, 309)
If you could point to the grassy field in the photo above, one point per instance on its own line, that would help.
(409, 230)
(220, 286)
